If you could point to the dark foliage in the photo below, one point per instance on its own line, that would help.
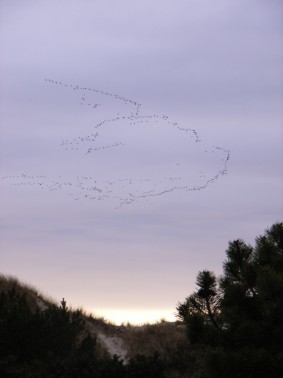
(50, 344)
(238, 319)
(142, 366)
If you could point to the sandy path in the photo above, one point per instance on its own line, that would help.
(113, 344)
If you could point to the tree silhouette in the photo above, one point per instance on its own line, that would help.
(239, 317)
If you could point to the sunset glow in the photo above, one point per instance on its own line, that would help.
(135, 316)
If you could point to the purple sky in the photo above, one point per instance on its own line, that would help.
(137, 139)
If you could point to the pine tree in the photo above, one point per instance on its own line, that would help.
(239, 317)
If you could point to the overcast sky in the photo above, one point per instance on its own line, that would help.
(137, 140)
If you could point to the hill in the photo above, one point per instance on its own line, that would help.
(40, 338)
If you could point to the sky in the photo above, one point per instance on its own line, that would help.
(137, 139)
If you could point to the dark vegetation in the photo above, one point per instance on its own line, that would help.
(54, 343)
(238, 319)
(231, 326)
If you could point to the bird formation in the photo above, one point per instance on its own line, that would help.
(129, 156)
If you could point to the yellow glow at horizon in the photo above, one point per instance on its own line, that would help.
(134, 316)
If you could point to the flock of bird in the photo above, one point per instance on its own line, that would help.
(116, 136)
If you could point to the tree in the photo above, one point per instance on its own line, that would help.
(201, 309)
(239, 316)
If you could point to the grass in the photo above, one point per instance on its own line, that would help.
(32, 294)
